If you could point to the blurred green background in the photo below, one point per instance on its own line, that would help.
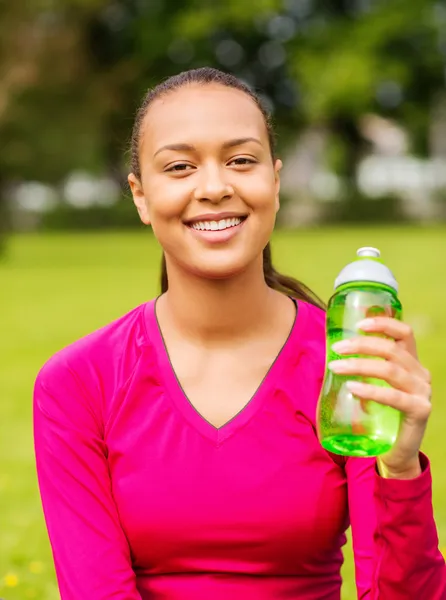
(357, 92)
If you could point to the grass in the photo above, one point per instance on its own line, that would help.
(56, 288)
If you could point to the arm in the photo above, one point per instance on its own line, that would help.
(91, 553)
(397, 508)
(395, 540)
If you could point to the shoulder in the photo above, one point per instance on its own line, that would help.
(314, 314)
(306, 346)
(102, 355)
(312, 325)
(305, 363)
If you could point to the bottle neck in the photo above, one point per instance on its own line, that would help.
(365, 284)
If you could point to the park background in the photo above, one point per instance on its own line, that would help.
(357, 91)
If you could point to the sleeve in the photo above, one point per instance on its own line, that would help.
(395, 540)
(91, 552)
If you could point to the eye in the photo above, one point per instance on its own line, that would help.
(178, 168)
(242, 161)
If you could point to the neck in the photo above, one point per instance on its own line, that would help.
(209, 310)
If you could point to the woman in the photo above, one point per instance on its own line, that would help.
(176, 447)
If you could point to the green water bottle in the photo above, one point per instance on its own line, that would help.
(347, 425)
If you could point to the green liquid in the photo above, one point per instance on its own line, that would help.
(355, 445)
(346, 424)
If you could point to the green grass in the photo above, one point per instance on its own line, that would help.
(56, 288)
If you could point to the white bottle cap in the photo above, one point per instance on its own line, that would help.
(367, 267)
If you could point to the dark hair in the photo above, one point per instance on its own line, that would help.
(203, 76)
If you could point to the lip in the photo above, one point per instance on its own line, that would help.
(215, 217)
(217, 236)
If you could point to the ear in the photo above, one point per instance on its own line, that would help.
(277, 168)
(139, 199)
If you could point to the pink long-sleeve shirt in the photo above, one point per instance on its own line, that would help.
(146, 500)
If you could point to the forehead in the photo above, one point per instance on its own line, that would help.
(200, 112)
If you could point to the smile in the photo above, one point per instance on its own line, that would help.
(220, 225)
(217, 231)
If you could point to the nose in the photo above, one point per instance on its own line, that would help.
(213, 185)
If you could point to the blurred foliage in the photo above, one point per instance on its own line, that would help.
(355, 208)
(72, 72)
(386, 56)
(64, 217)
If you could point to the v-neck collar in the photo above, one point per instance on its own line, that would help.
(218, 435)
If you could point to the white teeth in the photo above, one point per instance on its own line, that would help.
(216, 225)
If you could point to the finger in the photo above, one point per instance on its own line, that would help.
(413, 406)
(397, 330)
(392, 373)
(383, 348)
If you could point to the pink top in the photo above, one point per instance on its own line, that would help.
(144, 499)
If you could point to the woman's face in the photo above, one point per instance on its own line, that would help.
(209, 186)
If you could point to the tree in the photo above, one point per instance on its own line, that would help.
(48, 121)
(73, 75)
(359, 57)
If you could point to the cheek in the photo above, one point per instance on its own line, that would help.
(167, 202)
(260, 192)
(264, 212)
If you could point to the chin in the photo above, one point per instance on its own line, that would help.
(224, 268)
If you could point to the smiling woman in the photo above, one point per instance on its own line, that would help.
(176, 447)
(213, 105)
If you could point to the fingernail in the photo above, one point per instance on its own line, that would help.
(366, 324)
(342, 346)
(337, 365)
(354, 386)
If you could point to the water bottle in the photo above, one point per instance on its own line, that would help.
(348, 425)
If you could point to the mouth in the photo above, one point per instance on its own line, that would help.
(217, 230)
(220, 224)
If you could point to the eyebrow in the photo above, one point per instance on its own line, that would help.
(226, 145)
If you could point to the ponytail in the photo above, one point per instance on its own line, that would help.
(275, 280)
(286, 284)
